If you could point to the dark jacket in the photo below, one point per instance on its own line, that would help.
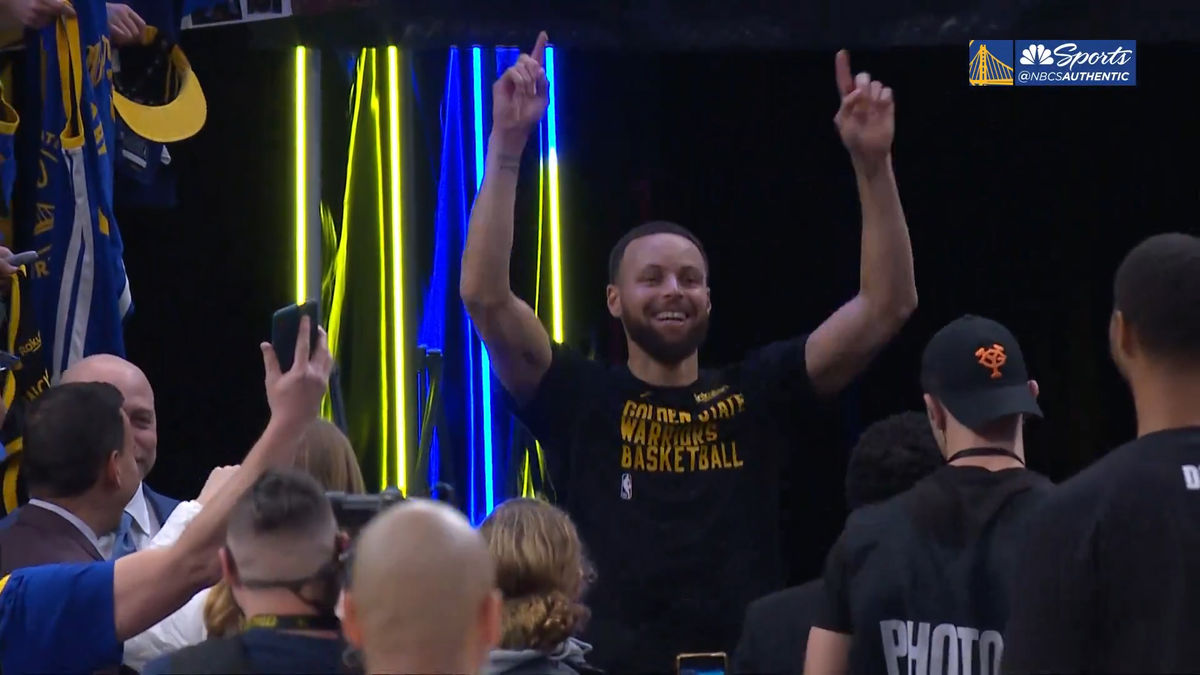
(32, 536)
(775, 634)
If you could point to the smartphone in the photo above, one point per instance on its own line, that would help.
(18, 259)
(716, 663)
(285, 326)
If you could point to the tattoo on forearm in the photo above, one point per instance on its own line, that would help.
(510, 163)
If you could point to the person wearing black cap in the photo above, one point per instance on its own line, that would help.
(1111, 576)
(921, 580)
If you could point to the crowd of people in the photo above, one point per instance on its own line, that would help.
(664, 551)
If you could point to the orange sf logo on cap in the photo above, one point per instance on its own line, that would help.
(992, 357)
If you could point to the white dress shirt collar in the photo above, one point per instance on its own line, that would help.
(140, 510)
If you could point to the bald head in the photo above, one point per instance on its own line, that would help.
(423, 594)
(139, 399)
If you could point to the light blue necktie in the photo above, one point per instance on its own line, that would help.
(124, 544)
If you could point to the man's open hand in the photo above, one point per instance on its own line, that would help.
(295, 396)
(866, 120)
(520, 96)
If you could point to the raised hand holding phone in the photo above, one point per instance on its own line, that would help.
(285, 325)
(295, 395)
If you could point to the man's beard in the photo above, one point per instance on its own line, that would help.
(665, 351)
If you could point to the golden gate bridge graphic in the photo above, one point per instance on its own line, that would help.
(987, 69)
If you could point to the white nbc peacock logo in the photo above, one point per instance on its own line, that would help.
(1036, 55)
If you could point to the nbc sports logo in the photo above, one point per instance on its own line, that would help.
(1036, 55)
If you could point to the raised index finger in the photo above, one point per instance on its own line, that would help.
(841, 67)
(539, 49)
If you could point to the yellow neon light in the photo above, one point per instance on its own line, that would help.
(301, 223)
(397, 268)
(384, 399)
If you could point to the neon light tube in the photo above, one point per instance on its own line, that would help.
(556, 296)
(398, 334)
(301, 177)
(485, 363)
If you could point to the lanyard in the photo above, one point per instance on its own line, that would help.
(293, 622)
(985, 452)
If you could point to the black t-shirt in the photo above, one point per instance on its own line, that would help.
(921, 580)
(675, 492)
(1111, 579)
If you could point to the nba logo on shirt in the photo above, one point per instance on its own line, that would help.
(1191, 476)
(626, 486)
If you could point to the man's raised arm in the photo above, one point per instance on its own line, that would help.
(516, 339)
(844, 344)
(150, 584)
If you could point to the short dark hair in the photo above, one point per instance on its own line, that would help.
(281, 501)
(891, 455)
(645, 230)
(70, 432)
(1157, 290)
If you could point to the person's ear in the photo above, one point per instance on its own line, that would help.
(935, 413)
(351, 626)
(1121, 335)
(489, 619)
(613, 300)
(112, 469)
(228, 568)
(1033, 388)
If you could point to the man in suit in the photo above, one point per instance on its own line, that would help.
(890, 456)
(147, 510)
(79, 462)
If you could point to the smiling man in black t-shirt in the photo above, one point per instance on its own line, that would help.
(670, 471)
(1111, 577)
(919, 583)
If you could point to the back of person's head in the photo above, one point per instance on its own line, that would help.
(890, 456)
(78, 441)
(422, 595)
(1156, 313)
(282, 545)
(976, 385)
(541, 571)
(326, 455)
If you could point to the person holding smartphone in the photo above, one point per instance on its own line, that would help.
(670, 471)
(73, 618)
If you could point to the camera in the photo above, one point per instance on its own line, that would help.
(353, 511)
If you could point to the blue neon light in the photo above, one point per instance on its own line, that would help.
(485, 363)
(552, 113)
(450, 229)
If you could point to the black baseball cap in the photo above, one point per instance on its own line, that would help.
(974, 366)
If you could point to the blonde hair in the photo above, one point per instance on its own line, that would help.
(326, 455)
(542, 571)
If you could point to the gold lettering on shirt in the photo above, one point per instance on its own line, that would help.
(662, 439)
